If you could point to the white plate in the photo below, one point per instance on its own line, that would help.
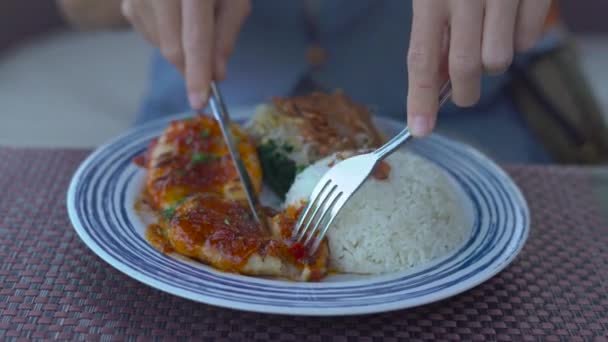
(103, 190)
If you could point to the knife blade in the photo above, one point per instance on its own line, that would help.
(218, 108)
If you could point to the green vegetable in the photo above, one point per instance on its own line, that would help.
(200, 157)
(279, 170)
(288, 148)
(205, 133)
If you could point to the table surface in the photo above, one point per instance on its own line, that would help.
(53, 286)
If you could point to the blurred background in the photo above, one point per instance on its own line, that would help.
(60, 88)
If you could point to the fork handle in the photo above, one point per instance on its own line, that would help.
(405, 134)
(393, 144)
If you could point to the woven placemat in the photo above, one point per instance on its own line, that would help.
(52, 286)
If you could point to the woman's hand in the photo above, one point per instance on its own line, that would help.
(197, 36)
(461, 39)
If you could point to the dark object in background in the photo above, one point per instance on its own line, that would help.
(24, 19)
(584, 16)
(559, 106)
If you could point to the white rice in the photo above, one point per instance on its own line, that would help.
(409, 219)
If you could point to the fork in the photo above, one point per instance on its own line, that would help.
(338, 185)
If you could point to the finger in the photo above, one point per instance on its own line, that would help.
(168, 17)
(530, 21)
(126, 7)
(423, 64)
(466, 19)
(498, 34)
(197, 42)
(445, 53)
(141, 17)
(230, 18)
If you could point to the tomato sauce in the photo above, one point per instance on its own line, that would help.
(142, 159)
(157, 238)
(381, 171)
(207, 226)
(225, 226)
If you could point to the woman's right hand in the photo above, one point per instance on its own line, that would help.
(197, 36)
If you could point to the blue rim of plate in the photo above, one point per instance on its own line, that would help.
(100, 202)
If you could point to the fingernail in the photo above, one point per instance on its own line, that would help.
(420, 125)
(197, 100)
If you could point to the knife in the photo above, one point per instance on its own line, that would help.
(218, 108)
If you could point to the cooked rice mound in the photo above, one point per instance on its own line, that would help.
(409, 219)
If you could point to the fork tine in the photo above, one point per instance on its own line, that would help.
(322, 198)
(327, 208)
(319, 238)
(304, 215)
(314, 216)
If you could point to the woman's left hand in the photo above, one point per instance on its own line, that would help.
(461, 39)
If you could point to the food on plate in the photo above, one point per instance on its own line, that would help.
(223, 234)
(291, 133)
(409, 218)
(192, 184)
(405, 215)
(191, 157)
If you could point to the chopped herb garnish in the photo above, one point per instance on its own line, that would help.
(205, 133)
(249, 216)
(226, 221)
(168, 213)
(201, 157)
(189, 140)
